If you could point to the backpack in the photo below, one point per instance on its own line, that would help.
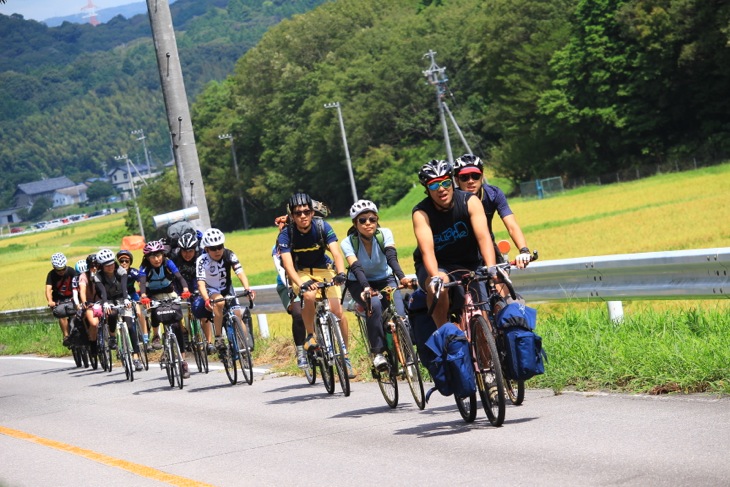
(448, 360)
(355, 241)
(523, 347)
(177, 230)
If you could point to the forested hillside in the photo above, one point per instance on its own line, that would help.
(70, 95)
(541, 88)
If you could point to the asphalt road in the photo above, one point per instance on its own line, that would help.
(62, 426)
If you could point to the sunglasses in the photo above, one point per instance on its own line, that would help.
(302, 212)
(474, 176)
(124, 261)
(216, 248)
(444, 183)
(363, 220)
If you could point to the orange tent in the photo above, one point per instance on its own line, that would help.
(132, 242)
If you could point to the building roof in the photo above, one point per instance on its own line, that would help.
(74, 190)
(45, 186)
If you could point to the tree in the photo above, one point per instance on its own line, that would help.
(99, 190)
(40, 206)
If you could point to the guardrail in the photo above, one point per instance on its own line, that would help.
(683, 274)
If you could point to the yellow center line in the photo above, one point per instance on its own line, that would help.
(135, 468)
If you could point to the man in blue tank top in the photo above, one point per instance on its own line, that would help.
(452, 235)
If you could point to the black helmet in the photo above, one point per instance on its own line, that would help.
(468, 160)
(127, 253)
(91, 261)
(434, 169)
(299, 199)
(188, 241)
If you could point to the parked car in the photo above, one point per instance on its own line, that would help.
(17, 230)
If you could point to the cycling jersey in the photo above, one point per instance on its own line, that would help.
(88, 281)
(157, 280)
(61, 285)
(306, 250)
(494, 200)
(188, 270)
(374, 265)
(111, 288)
(217, 273)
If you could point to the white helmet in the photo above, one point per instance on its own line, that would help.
(213, 237)
(58, 260)
(104, 257)
(81, 266)
(362, 206)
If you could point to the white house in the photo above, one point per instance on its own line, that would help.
(70, 196)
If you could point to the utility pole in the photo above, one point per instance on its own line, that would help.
(238, 179)
(178, 111)
(124, 157)
(436, 76)
(142, 137)
(347, 151)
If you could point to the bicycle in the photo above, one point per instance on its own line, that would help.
(79, 342)
(484, 353)
(102, 345)
(171, 359)
(124, 342)
(239, 341)
(402, 360)
(196, 339)
(331, 351)
(140, 338)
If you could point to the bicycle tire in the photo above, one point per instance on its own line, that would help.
(176, 363)
(310, 372)
(124, 346)
(325, 367)
(103, 346)
(244, 352)
(93, 360)
(339, 350)
(249, 326)
(388, 380)
(467, 407)
(228, 363)
(411, 368)
(141, 344)
(490, 381)
(194, 341)
(85, 356)
(76, 352)
(515, 390)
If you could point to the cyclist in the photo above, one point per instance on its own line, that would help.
(156, 275)
(185, 257)
(302, 247)
(469, 176)
(213, 274)
(85, 298)
(59, 289)
(289, 300)
(111, 287)
(125, 259)
(370, 252)
(451, 232)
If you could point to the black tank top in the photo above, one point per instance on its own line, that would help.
(453, 237)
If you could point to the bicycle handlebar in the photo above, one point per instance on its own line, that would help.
(232, 298)
(533, 257)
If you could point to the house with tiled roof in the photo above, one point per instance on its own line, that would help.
(69, 196)
(28, 193)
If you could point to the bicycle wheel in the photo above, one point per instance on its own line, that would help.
(515, 390)
(93, 357)
(311, 371)
(388, 380)
(228, 363)
(125, 351)
(142, 346)
(490, 382)
(467, 407)
(85, 356)
(325, 367)
(193, 340)
(102, 346)
(339, 350)
(244, 352)
(249, 326)
(176, 362)
(76, 351)
(410, 364)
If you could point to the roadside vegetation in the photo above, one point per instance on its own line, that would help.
(662, 346)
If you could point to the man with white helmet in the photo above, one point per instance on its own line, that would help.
(59, 291)
(213, 272)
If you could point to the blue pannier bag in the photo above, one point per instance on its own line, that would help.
(447, 358)
(522, 345)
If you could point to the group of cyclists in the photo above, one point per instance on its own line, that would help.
(198, 269)
(452, 225)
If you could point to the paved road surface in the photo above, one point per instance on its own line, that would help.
(61, 426)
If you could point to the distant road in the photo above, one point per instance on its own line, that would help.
(63, 426)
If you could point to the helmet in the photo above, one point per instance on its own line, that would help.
(213, 237)
(153, 246)
(58, 260)
(81, 266)
(127, 253)
(299, 199)
(362, 206)
(91, 261)
(434, 169)
(188, 241)
(104, 257)
(468, 160)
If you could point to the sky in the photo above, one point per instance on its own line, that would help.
(45, 9)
